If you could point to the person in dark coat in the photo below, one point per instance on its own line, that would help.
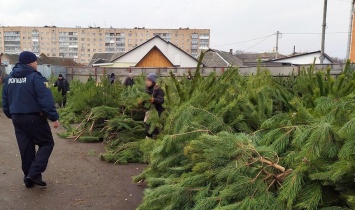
(64, 87)
(112, 78)
(157, 99)
(129, 80)
(27, 100)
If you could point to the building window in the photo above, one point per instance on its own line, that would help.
(88, 50)
(82, 39)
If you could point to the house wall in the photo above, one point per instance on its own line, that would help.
(154, 58)
(83, 73)
(176, 56)
(304, 59)
(46, 70)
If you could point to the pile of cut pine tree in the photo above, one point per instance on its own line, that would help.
(235, 142)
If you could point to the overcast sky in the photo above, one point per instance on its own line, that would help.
(230, 21)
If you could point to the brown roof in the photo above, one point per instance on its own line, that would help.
(217, 58)
(58, 61)
(43, 59)
(104, 57)
(254, 57)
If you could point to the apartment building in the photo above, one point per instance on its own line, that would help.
(81, 43)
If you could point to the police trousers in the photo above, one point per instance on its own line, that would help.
(32, 130)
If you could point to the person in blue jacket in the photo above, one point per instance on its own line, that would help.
(27, 100)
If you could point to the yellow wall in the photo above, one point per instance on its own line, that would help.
(154, 58)
(352, 47)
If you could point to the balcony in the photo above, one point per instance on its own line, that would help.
(204, 37)
(204, 47)
(194, 47)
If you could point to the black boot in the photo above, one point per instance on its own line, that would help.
(28, 183)
(37, 180)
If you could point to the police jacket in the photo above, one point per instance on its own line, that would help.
(25, 92)
(158, 94)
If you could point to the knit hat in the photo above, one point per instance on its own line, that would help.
(27, 57)
(152, 77)
(60, 75)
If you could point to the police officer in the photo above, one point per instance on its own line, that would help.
(28, 102)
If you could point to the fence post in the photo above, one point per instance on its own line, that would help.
(95, 74)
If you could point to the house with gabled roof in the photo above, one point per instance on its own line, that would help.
(305, 58)
(154, 53)
(218, 58)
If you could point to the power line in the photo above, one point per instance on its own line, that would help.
(258, 42)
(315, 33)
(244, 41)
(291, 33)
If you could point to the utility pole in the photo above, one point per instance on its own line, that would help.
(348, 51)
(277, 44)
(324, 26)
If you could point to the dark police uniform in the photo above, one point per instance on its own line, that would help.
(28, 102)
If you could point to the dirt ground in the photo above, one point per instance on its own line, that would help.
(76, 178)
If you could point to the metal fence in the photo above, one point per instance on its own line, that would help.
(83, 73)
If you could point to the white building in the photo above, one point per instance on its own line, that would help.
(304, 59)
(155, 52)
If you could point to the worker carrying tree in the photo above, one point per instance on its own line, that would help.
(27, 100)
(157, 100)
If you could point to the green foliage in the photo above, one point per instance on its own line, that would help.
(238, 142)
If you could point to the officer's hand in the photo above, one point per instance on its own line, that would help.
(56, 124)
